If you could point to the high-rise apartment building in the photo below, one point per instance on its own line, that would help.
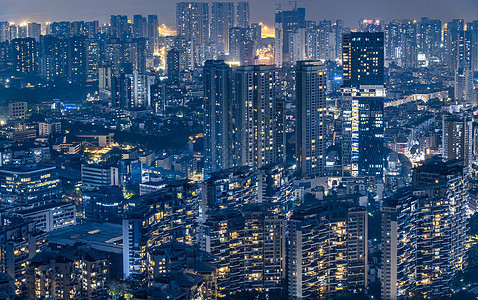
(153, 31)
(218, 138)
(158, 218)
(457, 139)
(327, 250)
(311, 84)
(259, 117)
(249, 246)
(286, 23)
(222, 19)
(242, 15)
(24, 55)
(192, 21)
(424, 232)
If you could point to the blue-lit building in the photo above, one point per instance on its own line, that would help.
(28, 184)
(363, 95)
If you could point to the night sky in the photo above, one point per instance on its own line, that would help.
(261, 10)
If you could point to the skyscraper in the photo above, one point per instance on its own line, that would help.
(153, 33)
(286, 23)
(222, 19)
(249, 246)
(424, 232)
(192, 21)
(120, 28)
(242, 14)
(311, 84)
(24, 55)
(259, 117)
(362, 59)
(363, 95)
(218, 140)
(139, 28)
(327, 250)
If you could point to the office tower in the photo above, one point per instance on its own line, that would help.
(173, 65)
(120, 28)
(19, 242)
(222, 19)
(259, 117)
(77, 54)
(463, 85)
(192, 21)
(457, 140)
(158, 218)
(95, 176)
(34, 31)
(153, 31)
(139, 27)
(218, 142)
(429, 39)
(311, 84)
(104, 204)
(363, 96)
(242, 15)
(424, 233)
(249, 246)
(29, 184)
(92, 59)
(286, 23)
(241, 46)
(363, 60)
(76, 272)
(24, 55)
(327, 250)
(230, 188)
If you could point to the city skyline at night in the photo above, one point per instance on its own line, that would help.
(261, 11)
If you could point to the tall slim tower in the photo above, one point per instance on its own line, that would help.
(217, 116)
(192, 21)
(222, 19)
(153, 33)
(259, 117)
(242, 15)
(286, 23)
(311, 84)
(363, 96)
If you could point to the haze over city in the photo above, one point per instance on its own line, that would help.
(261, 10)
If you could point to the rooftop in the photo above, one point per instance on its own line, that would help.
(106, 237)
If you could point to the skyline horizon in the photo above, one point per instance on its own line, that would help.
(103, 11)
